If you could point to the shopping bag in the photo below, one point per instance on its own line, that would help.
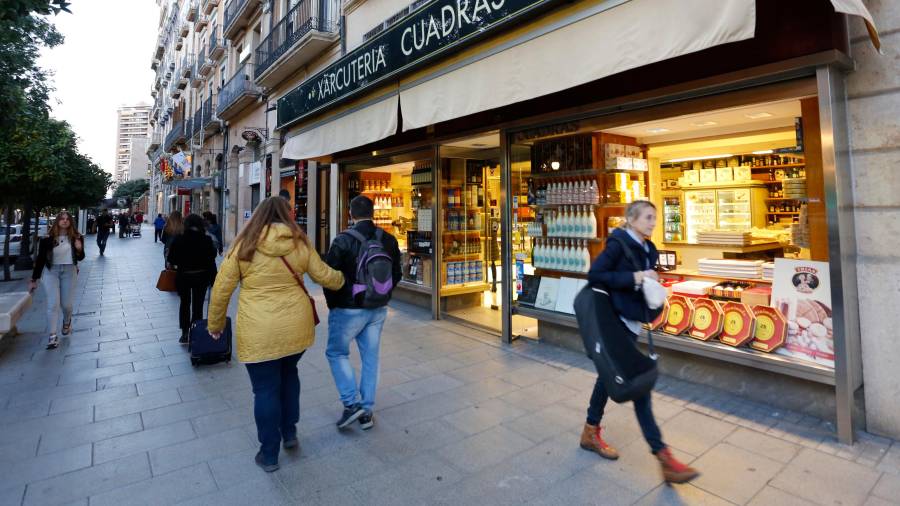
(166, 281)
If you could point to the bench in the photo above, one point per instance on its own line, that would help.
(12, 307)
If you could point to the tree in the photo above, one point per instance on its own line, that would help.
(134, 189)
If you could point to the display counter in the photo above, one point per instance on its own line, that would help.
(690, 253)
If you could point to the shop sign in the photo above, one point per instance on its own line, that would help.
(801, 291)
(433, 31)
(254, 176)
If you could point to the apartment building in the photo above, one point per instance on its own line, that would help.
(133, 124)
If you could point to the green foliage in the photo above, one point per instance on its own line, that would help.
(133, 189)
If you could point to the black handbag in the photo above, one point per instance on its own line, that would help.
(626, 373)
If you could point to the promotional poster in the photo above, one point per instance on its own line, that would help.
(801, 291)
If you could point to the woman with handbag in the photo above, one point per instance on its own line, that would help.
(193, 255)
(56, 266)
(276, 317)
(615, 271)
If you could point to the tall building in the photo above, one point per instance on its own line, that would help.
(133, 123)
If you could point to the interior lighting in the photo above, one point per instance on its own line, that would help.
(691, 158)
(763, 152)
(657, 130)
(554, 165)
(705, 124)
(759, 115)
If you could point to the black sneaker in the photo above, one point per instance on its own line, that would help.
(269, 468)
(351, 414)
(367, 420)
(183, 339)
(53, 342)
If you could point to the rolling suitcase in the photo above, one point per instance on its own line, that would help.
(206, 350)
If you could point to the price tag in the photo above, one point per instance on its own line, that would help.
(708, 319)
(770, 329)
(739, 320)
(681, 314)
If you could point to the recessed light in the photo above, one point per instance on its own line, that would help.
(554, 165)
(705, 123)
(759, 115)
(763, 152)
(710, 157)
(657, 130)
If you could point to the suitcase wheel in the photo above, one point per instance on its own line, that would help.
(194, 362)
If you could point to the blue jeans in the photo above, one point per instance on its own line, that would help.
(364, 326)
(59, 283)
(276, 403)
(642, 409)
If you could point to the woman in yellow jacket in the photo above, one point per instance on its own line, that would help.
(275, 322)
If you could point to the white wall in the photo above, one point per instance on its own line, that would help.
(366, 15)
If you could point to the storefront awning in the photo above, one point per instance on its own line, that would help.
(191, 183)
(591, 44)
(372, 121)
(856, 8)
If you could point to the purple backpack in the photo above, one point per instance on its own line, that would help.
(374, 271)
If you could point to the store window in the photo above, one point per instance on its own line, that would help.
(741, 225)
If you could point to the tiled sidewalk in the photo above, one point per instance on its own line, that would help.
(118, 416)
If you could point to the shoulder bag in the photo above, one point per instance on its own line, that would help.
(166, 281)
(654, 293)
(299, 280)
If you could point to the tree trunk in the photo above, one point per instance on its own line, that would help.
(9, 217)
(24, 262)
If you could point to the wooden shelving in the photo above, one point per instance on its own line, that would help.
(785, 166)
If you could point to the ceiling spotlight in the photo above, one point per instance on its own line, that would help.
(554, 165)
(763, 152)
(705, 124)
(657, 130)
(759, 115)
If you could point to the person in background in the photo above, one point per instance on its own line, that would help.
(193, 256)
(614, 272)
(174, 227)
(275, 319)
(214, 230)
(124, 220)
(139, 218)
(104, 226)
(158, 225)
(349, 321)
(56, 266)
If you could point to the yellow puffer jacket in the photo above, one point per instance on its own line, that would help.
(274, 317)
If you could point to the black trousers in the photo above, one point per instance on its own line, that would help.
(102, 236)
(192, 291)
(157, 234)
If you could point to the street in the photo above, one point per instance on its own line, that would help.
(117, 415)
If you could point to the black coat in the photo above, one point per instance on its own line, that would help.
(342, 256)
(45, 255)
(614, 271)
(193, 252)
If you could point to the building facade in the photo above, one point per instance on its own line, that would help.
(133, 124)
(501, 141)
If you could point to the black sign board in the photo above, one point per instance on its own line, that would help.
(434, 30)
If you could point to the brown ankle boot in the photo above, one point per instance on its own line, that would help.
(673, 470)
(591, 440)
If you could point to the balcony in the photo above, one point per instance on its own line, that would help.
(175, 136)
(216, 45)
(237, 15)
(197, 123)
(307, 30)
(154, 141)
(160, 47)
(191, 14)
(187, 66)
(184, 28)
(154, 64)
(179, 43)
(239, 92)
(210, 120)
(196, 78)
(204, 65)
(201, 23)
(175, 90)
(209, 6)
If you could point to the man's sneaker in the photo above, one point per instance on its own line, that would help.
(290, 444)
(351, 414)
(269, 468)
(183, 339)
(53, 342)
(366, 421)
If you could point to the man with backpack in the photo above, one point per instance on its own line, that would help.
(370, 260)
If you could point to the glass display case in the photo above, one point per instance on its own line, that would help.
(734, 209)
(673, 226)
(700, 212)
(465, 235)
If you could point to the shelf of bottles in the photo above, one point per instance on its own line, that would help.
(419, 234)
(463, 232)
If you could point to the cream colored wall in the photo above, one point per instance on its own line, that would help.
(367, 15)
(873, 103)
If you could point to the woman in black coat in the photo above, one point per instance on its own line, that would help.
(193, 256)
(616, 273)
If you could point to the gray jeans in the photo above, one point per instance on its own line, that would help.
(59, 283)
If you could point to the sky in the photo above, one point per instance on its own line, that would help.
(103, 64)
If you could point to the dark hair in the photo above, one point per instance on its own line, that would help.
(285, 195)
(159, 215)
(194, 222)
(211, 219)
(361, 207)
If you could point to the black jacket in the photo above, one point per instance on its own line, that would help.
(45, 255)
(612, 270)
(192, 252)
(342, 256)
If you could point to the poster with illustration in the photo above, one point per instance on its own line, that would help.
(801, 291)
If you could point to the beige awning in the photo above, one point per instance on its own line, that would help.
(572, 49)
(369, 122)
(856, 8)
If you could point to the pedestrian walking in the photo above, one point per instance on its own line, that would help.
(614, 271)
(56, 266)
(174, 227)
(124, 221)
(193, 256)
(158, 225)
(275, 317)
(214, 230)
(370, 260)
(104, 227)
(139, 218)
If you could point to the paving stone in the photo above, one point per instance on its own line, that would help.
(891, 461)
(131, 358)
(165, 489)
(409, 483)
(51, 393)
(38, 426)
(170, 458)
(261, 490)
(225, 421)
(694, 433)
(484, 389)
(22, 472)
(721, 464)
(134, 377)
(135, 403)
(888, 487)
(762, 444)
(877, 501)
(19, 450)
(769, 496)
(329, 477)
(183, 411)
(434, 406)
(584, 488)
(25, 411)
(12, 495)
(101, 397)
(84, 434)
(90, 481)
(665, 495)
(539, 395)
(483, 415)
(835, 479)
(425, 387)
(143, 441)
(485, 449)
(531, 374)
